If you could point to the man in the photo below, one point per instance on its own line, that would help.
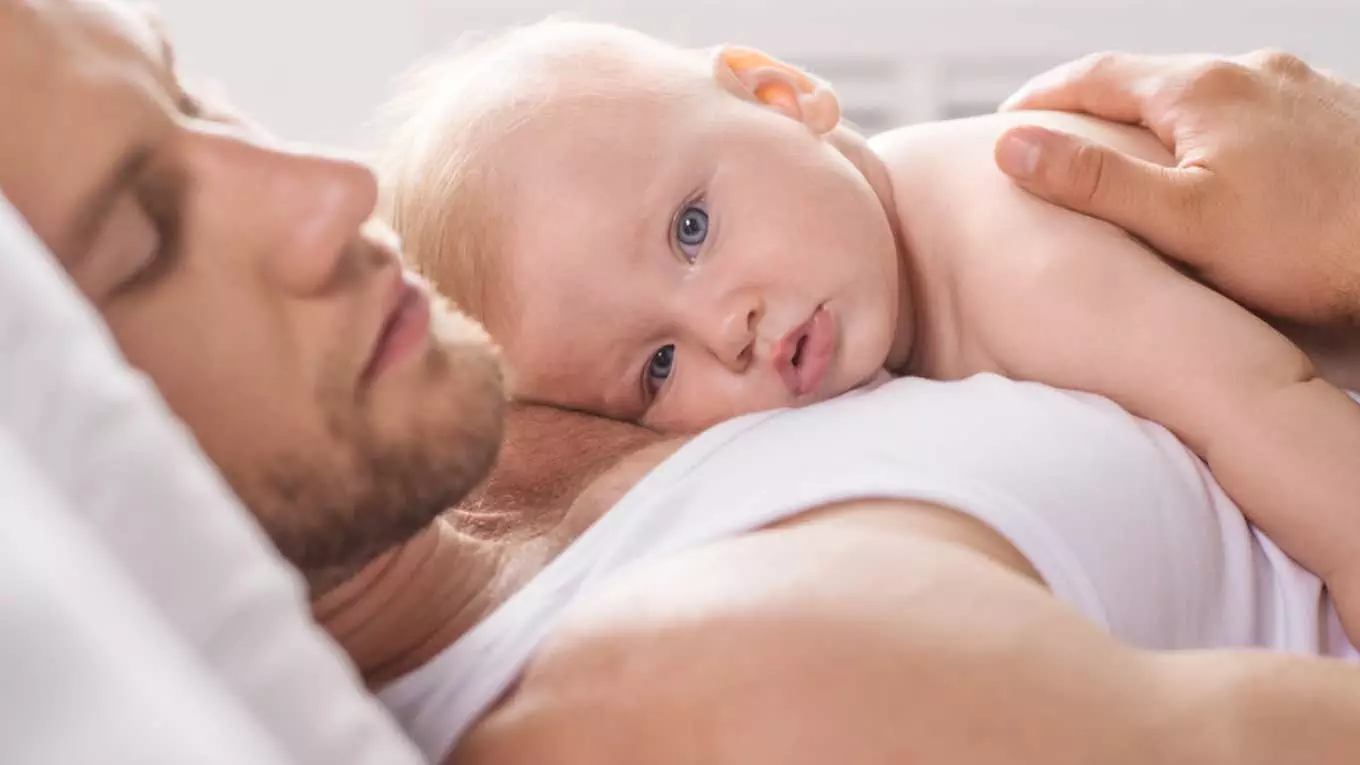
(237, 276)
(344, 406)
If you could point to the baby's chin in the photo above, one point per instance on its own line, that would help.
(856, 384)
(875, 380)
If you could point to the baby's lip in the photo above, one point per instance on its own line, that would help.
(804, 354)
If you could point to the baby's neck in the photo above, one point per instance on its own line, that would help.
(856, 149)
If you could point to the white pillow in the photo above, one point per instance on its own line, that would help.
(101, 436)
(91, 671)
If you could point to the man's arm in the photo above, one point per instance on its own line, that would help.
(961, 658)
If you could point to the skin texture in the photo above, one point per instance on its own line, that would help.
(245, 279)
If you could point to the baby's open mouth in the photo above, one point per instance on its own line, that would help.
(798, 351)
(803, 355)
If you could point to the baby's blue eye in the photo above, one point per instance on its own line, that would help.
(691, 229)
(660, 368)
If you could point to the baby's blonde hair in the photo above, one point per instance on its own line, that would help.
(449, 124)
(434, 182)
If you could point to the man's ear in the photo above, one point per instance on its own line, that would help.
(754, 75)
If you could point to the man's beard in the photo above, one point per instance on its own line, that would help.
(330, 516)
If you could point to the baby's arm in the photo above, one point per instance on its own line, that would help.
(1076, 303)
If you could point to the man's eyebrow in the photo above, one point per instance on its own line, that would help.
(167, 49)
(183, 102)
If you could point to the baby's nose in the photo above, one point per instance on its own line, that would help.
(736, 346)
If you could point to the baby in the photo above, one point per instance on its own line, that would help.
(674, 237)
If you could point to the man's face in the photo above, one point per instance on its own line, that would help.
(343, 407)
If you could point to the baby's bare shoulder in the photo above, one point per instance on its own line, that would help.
(968, 143)
(947, 186)
(974, 232)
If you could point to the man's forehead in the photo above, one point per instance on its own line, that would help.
(75, 32)
(135, 22)
(83, 84)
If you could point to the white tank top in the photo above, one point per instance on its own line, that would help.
(1123, 523)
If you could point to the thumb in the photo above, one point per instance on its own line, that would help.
(1150, 201)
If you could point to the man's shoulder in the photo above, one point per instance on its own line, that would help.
(735, 650)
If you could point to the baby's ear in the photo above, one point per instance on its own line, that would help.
(752, 74)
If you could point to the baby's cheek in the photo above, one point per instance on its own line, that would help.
(864, 351)
(707, 403)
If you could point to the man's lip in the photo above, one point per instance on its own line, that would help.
(817, 337)
(405, 325)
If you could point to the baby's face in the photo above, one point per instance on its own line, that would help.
(678, 261)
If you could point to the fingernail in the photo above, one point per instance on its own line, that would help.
(1018, 154)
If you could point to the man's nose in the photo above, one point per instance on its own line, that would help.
(296, 212)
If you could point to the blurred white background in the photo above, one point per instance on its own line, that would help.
(317, 70)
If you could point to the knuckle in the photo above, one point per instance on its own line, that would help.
(1280, 63)
(1218, 79)
(1101, 63)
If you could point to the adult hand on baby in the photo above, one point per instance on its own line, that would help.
(1265, 198)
